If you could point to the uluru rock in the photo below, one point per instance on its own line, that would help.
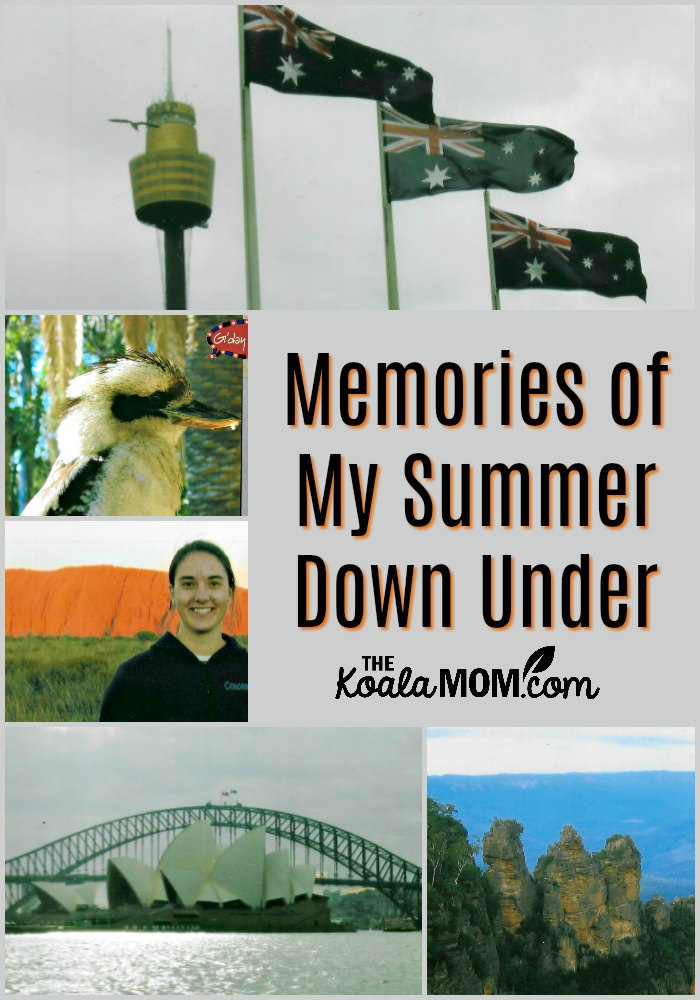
(513, 885)
(98, 601)
(574, 899)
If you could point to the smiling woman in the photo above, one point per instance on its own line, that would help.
(200, 675)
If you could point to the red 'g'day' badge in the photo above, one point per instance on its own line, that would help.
(229, 339)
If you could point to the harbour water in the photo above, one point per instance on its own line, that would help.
(131, 962)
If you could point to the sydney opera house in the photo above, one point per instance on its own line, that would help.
(196, 884)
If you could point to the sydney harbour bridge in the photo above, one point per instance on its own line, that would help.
(341, 858)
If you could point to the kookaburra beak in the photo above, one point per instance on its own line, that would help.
(196, 414)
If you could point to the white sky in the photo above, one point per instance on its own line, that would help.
(519, 750)
(146, 544)
(618, 79)
(63, 779)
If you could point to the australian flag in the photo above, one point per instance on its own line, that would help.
(295, 56)
(527, 254)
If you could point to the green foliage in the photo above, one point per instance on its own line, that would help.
(463, 934)
(458, 920)
(450, 855)
(366, 910)
(26, 402)
(102, 338)
(544, 863)
(616, 845)
(63, 678)
(663, 962)
(681, 933)
(612, 975)
(27, 399)
(671, 951)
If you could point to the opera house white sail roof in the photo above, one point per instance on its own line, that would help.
(131, 881)
(195, 870)
(65, 898)
(241, 867)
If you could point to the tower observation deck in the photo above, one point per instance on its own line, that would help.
(172, 183)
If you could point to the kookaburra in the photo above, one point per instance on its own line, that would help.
(118, 437)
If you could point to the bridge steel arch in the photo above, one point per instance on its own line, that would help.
(354, 859)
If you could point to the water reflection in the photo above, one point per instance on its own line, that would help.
(170, 963)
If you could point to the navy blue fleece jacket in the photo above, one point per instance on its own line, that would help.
(168, 683)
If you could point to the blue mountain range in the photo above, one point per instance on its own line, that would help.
(656, 809)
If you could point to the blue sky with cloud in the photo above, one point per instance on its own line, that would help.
(526, 750)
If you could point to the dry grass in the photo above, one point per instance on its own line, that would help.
(63, 678)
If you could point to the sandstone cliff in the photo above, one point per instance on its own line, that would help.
(578, 927)
(97, 601)
(621, 865)
(574, 900)
(507, 873)
(590, 903)
(660, 912)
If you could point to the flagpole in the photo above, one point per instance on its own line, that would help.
(392, 285)
(495, 297)
(252, 269)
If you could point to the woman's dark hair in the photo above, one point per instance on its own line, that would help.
(201, 546)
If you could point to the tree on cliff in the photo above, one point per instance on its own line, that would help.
(449, 851)
(461, 949)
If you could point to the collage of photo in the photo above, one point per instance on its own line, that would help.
(184, 179)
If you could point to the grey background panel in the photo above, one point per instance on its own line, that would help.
(643, 675)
